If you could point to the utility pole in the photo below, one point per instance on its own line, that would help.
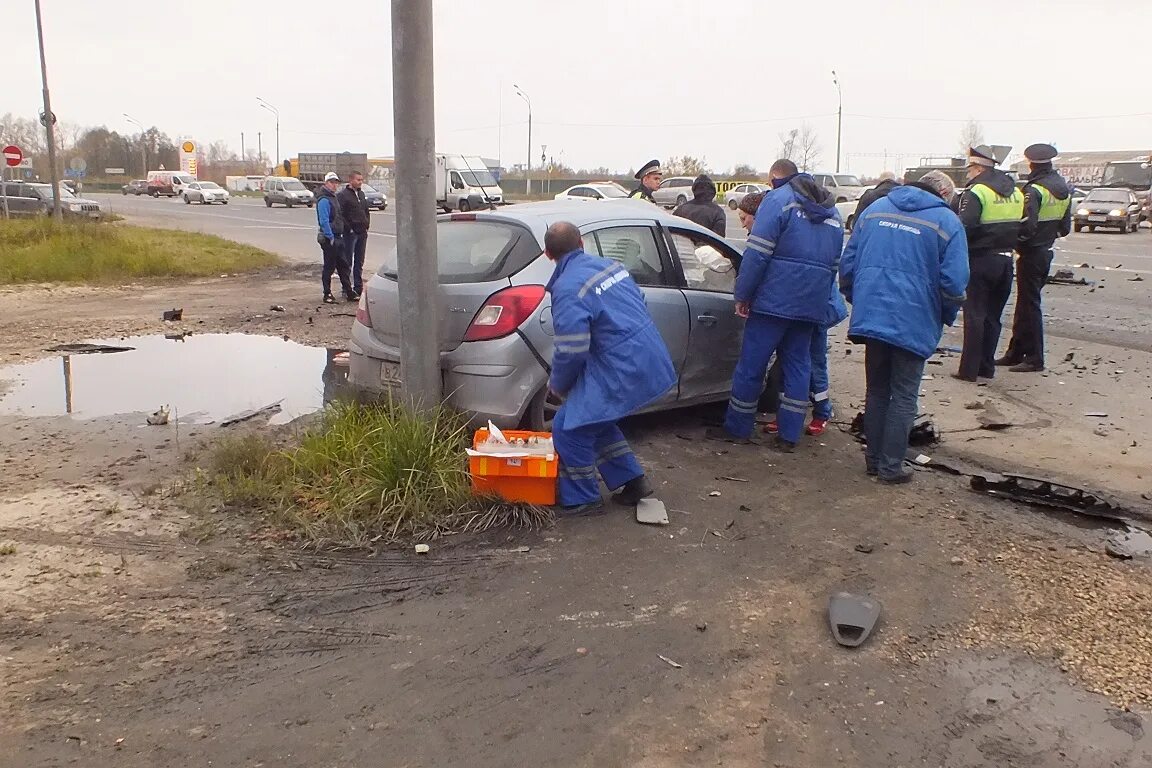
(260, 150)
(839, 117)
(414, 126)
(143, 145)
(276, 112)
(49, 121)
(528, 168)
(243, 156)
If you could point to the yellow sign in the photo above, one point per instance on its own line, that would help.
(188, 147)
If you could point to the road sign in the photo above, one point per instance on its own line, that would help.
(72, 173)
(44, 119)
(114, 171)
(13, 155)
(78, 164)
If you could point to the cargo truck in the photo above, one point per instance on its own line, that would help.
(311, 167)
(464, 183)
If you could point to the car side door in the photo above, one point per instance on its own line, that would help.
(637, 245)
(707, 267)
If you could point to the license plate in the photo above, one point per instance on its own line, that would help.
(390, 374)
(1097, 218)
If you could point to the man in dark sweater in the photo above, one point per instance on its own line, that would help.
(702, 208)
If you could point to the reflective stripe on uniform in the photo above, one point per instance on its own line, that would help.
(910, 220)
(764, 246)
(795, 406)
(591, 282)
(742, 406)
(820, 397)
(614, 451)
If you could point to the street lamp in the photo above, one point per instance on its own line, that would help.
(276, 112)
(528, 169)
(49, 120)
(839, 117)
(143, 146)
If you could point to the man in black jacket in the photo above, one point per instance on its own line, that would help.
(702, 208)
(1047, 216)
(354, 209)
(886, 184)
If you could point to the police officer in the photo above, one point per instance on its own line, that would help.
(1047, 216)
(991, 209)
(650, 177)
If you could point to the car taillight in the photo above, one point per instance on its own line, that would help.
(362, 315)
(504, 312)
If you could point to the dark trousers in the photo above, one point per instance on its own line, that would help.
(893, 388)
(355, 244)
(989, 287)
(1027, 345)
(334, 262)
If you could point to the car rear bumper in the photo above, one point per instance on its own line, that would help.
(488, 380)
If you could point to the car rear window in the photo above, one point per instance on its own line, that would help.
(476, 251)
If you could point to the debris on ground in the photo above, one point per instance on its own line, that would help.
(975, 405)
(1049, 493)
(852, 617)
(276, 308)
(269, 410)
(652, 511)
(864, 549)
(88, 349)
(158, 418)
(422, 549)
(991, 418)
(669, 661)
(1067, 277)
(172, 315)
(1096, 414)
(1137, 279)
(923, 432)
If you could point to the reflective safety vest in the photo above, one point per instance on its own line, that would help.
(1000, 220)
(1052, 208)
(995, 209)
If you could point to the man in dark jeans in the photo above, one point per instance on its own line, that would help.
(331, 228)
(905, 270)
(354, 209)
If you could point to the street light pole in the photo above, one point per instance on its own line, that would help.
(276, 112)
(528, 168)
(143, 147)
(414, 128)
(49, 121)
(839, 117)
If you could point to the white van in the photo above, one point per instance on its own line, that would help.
(168, 183)
(287, 191)
(464, 183)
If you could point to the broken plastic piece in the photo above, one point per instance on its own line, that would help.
(852, 618)
(651, 511)
(1048, 493)
(173, 315)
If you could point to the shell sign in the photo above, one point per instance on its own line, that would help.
(188, 158)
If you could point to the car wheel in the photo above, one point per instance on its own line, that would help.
(1076, 227)
(187, 200)
(267, 203)
(850, 223)
(540, 412)
(841, 199)
(310, 204)
(225, 202)
(732, 204)
(288, 204)
(1091, 227)
(464, 206)
(680, 199)
(124, 192)
(156, 195)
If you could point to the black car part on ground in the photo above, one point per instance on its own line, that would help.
(1066, 277)
(1048, 493)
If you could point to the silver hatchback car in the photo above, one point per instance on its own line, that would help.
(496, 333)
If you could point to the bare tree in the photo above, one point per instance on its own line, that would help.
(744, 171)
(788, 144)
(807, 149)
(971, 135)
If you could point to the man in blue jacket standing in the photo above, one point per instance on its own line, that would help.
(608, 361)
(905, 271)
(330, 223)
(785, 280)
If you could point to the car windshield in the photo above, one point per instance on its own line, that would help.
(293, 186)
(1127, 175)
(611, 191)
(1106, 196)
(45, 191)
(209, 185)
(368, 188)
(467, 251)
(847, 181)
(478, 178)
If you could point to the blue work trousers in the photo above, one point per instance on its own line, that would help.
(791, 341)
(588, 451)
(821, 399)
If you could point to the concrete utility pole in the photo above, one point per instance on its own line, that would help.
(49, 120)
(143, 145)
(417, 270)
(839, 117)
(243, 156)
(260, 149)
(528, 168)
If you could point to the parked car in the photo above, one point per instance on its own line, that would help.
(843, 186)
(674, 191)
(135, 187)
(205, 193)
(29, 199)
(286, 191)
(168, 183)
(594, 190)
(374, 197)
(1113, 208)
(733, 196)
(496, 332)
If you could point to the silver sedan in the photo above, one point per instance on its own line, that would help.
(733, 196)
(496, 333)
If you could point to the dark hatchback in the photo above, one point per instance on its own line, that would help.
(1113, 208)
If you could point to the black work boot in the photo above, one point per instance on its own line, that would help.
(633, 491)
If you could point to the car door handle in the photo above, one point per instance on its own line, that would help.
(707, 319)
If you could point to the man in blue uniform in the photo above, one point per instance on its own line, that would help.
(608, 361)
(783, 290)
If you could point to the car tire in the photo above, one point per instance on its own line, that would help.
(267, 203)
(1076, 227)
(540, 412)
(733, 205)
(187, 200)
(310, 204)
(1091, 227)
(124, 192)
(465, 206)
(225, 202)
(156, 195)
(288, 204)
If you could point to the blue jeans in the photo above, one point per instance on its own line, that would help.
(355, 243)
(821, 400)
(792, 341)
(893, 388)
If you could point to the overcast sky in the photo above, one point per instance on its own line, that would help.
(612, 82)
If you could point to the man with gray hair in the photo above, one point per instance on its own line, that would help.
(905, 271)
(886, 184)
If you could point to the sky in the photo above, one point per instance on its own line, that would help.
(612, 83)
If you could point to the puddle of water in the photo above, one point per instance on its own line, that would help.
(203, 377)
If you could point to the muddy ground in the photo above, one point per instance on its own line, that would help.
(140, 630)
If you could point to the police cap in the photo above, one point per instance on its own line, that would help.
(1040, 153)
(652, 166)
(982, 155)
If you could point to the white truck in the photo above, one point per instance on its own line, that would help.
(464, 183)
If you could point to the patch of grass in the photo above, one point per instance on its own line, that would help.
(365, 473)
(7, 549)
(43, 251)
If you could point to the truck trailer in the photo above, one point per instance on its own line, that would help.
(311, 167)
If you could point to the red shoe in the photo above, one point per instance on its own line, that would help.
(771, 427)
(816, 427)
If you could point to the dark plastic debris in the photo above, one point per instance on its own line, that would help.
(1048, 493)
(88, 349)
(173, 315)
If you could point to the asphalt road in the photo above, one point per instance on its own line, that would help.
(1115, 310)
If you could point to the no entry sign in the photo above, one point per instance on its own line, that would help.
(13, 156)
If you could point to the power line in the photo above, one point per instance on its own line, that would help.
(1000, 120)
(688, 125)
